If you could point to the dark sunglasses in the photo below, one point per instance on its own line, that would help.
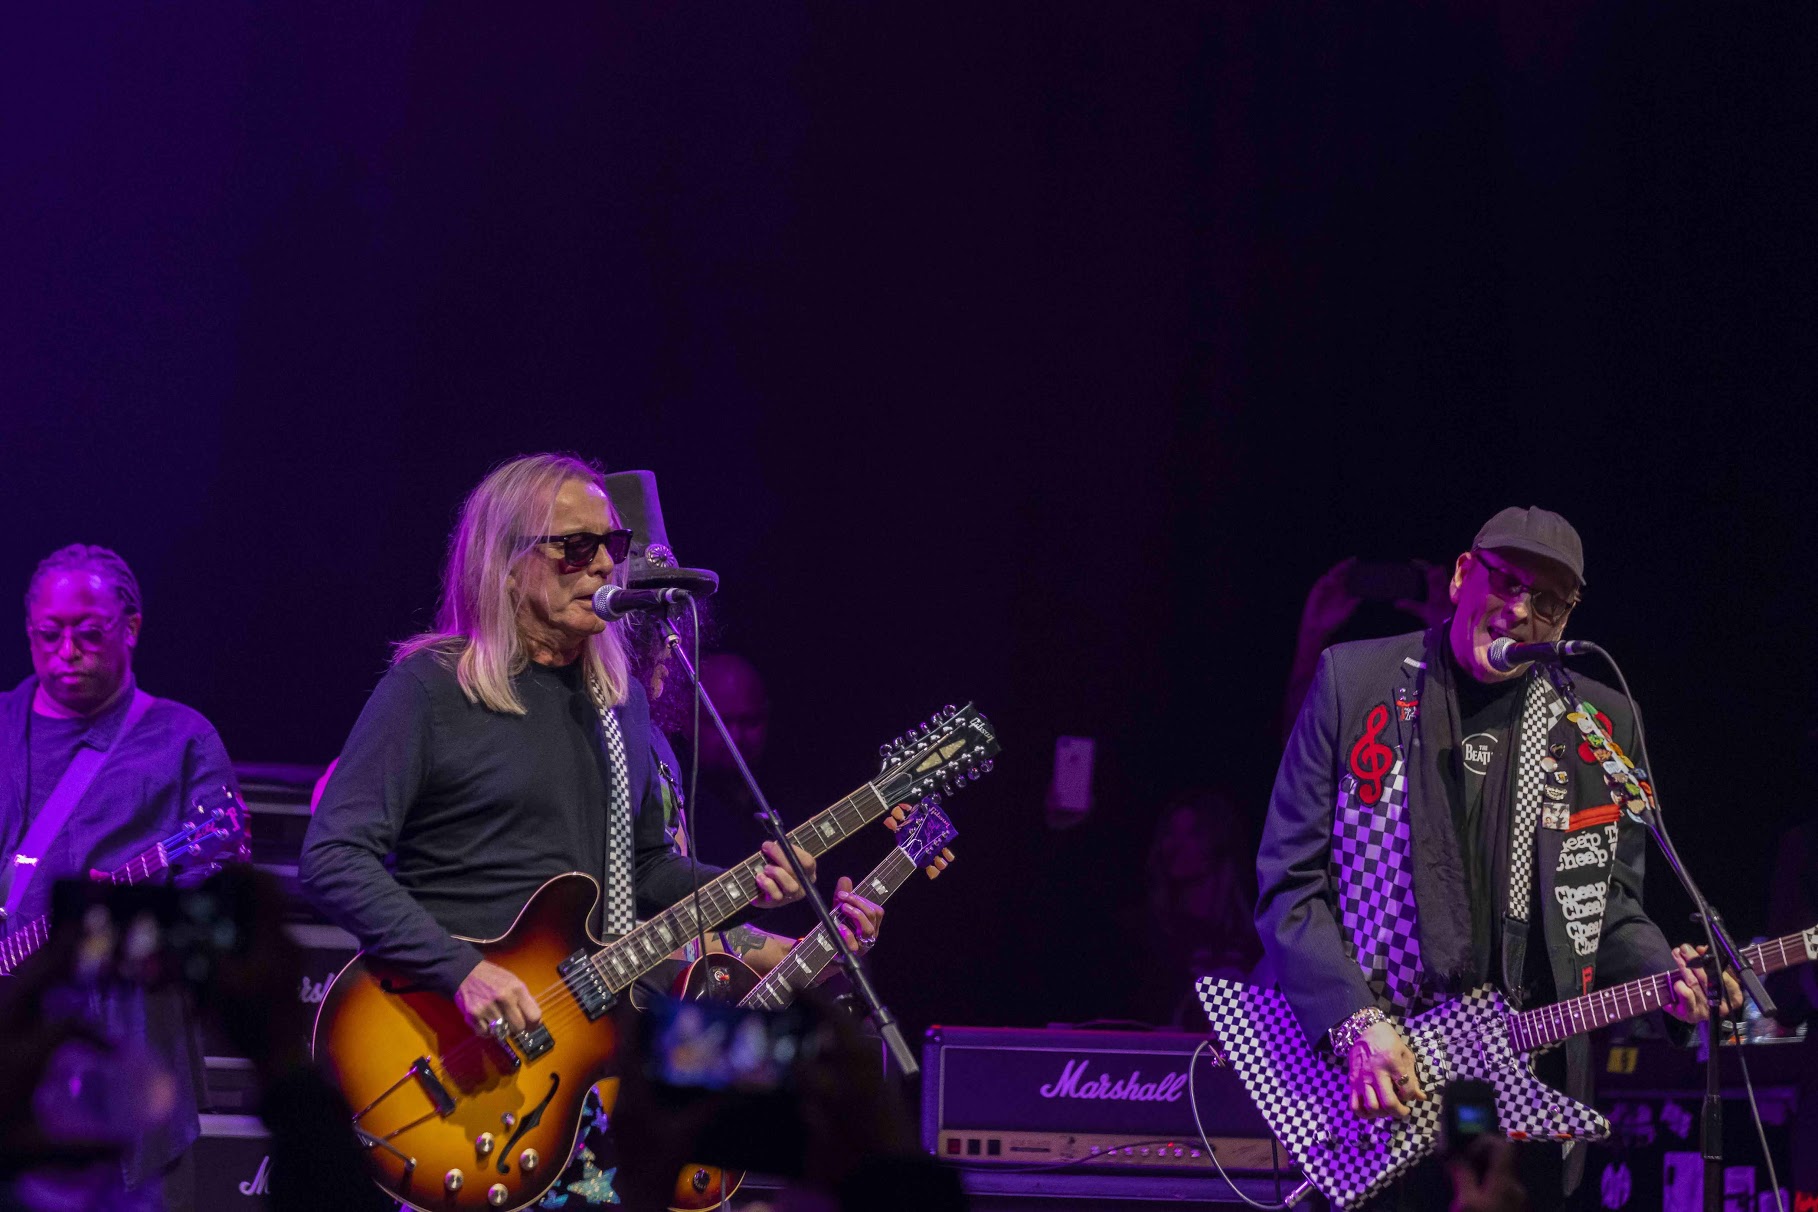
(578, 548)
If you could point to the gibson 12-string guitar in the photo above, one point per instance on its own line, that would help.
(453, 1119)
(921, 842)
(1303, 1095)
(213, 830)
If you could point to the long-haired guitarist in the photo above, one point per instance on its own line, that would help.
(1437, 823)
(504, 747)
(100, 770)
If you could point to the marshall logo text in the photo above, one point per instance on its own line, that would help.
(1073, 1083)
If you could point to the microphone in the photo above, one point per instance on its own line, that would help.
(1506, 655)
(613, 603)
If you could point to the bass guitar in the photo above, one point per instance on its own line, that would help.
(453, 1119)
(921, 842)
(1304, 1097)
(213, 831)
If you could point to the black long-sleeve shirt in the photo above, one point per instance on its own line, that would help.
(476, 809)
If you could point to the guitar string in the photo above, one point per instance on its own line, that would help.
(777, 983)
(21, 944)
(1603, 1005)
(568, 1010)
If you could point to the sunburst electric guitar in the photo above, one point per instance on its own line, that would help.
(1303, 1095)
(213, 831)
(451, 1119)
(921, 842)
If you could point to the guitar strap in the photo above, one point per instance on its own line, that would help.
(78, 776)
(1534, 768)
(1581, 843)
(620, 907)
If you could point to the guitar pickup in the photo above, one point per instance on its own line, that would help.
(432, 1086)
(587, 985)
(535, 1042)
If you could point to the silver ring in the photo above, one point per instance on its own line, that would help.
(496, 1028)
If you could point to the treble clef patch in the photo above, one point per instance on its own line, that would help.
(1370, 758)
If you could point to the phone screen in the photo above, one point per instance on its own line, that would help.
(707, 1045)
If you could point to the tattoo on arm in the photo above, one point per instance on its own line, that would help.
(743, 940)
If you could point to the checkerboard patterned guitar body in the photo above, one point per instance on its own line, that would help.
(1302, 1093)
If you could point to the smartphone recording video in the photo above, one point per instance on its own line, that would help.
(744, 1063)
(149, 935)
(1469, 1112)
(706, 1045)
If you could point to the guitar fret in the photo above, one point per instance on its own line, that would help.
(624, 960)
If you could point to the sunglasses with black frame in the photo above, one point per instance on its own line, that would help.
(578, 548)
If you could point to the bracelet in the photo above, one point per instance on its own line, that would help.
(1345, 1036)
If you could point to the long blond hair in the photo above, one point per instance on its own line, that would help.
(477, 621)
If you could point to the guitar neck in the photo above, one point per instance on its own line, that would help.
(624, 961)
(815, 951)
(1545, 1026)
(20, 943)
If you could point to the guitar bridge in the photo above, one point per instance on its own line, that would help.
(587, 985)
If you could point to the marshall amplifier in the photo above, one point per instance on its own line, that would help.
(233, 1164)
(277, 797)
(1063, 1099)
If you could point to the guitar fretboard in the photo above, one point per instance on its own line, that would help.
(1545, 1026)
(624, 961)
(815, 950)
(21, 943)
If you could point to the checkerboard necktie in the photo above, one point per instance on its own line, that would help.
(620, 908)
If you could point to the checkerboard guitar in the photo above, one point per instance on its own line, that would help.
(1302, 1092)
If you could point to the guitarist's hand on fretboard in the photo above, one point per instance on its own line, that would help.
(1382, 1076)
(776, 883)
(1690, 1002)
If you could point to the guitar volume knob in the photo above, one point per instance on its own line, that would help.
(453, 1181)
(528, 1161)
(495, 1195)
(482, 1144)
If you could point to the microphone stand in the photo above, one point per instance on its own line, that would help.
(1721, 950)
(881, 1018)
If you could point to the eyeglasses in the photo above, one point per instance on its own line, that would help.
(1506, 584)
(578, 548)
(89, 637)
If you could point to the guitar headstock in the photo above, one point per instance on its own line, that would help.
(923, 836)
(952, 748)
(216, 830)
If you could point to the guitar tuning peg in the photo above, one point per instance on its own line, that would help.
(949, 711)
(987, 766)
(883, 751)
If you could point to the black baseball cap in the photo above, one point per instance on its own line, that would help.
(1538, 532)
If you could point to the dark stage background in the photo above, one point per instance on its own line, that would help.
(1037, 354)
